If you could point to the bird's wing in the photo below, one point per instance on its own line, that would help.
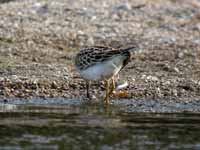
(93, 55)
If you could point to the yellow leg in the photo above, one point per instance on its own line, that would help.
(113, 85)
(106, 99)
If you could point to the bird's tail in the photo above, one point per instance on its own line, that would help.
(130, 49)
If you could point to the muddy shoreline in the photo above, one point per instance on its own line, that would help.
(38, 40)
(118, 105)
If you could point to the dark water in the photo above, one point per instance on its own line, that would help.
(95, 128)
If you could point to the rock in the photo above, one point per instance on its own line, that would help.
(123, 6)
(54, 85)
(152, 78)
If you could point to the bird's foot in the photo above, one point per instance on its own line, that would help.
(106, 100)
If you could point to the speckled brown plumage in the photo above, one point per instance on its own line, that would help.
(92, 55)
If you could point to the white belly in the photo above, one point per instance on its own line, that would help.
(100, 71)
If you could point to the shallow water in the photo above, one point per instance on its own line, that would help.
(92, 127)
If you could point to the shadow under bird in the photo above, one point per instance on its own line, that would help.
(101, 63)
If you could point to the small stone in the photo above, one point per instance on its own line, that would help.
(35, 59)
(175, 92)
(176, 70)
(90, 41)
(152, 78)
(80, 32)
(123, 6)
(180, 55)
(93, 97)
(54, 85)
(6, 91)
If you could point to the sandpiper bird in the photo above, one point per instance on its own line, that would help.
(101, 63)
